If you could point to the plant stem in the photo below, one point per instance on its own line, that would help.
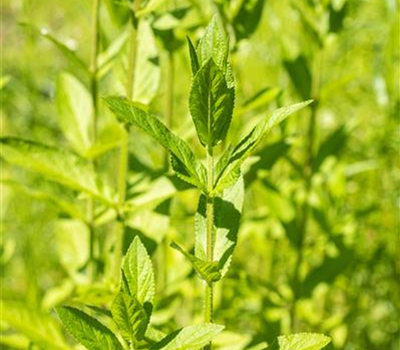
(124, 150)
(308, 176)
(94, 93)
(169, 97)
(209, 290)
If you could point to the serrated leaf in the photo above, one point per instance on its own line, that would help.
(190, 167)
(227, 213)
(75, 112)
(56, 164)
(194, 60)
(212, 45)
(250, 142)
(130, 317)
(39, 328)
(189, 338)
(303, 341)
(208, 271)
(87, 330)
(138, 271)
(211, 104)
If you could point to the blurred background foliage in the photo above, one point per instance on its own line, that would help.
(318, 246)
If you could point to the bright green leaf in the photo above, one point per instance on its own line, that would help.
(69, 53)
(189, 168)
(57, 164)
(130, 317)
(87, 330)
(75, 112)
(211, 104)
(227, 212)
(208, 271)
(189, 338)
(302, 341)
(250, 142)
(41, 329)
(138, 271)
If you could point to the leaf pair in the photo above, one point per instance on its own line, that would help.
(131, 311)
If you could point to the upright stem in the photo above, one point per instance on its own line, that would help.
(308, 176)
(209, 297)
(94, 93)
(124, 150)
(169, 103)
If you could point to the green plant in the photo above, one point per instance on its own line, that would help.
(211, 105)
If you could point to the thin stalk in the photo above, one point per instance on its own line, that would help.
(308, 176)
(169, 111)
(124, 150)
(94, 93)
(169, 97)
(209, 290)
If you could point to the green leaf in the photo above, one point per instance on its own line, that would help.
(130, 317)
(189, 338)
(106, 58)
(332, 145)
(72, 243)
(212, 45)
(302, 341)
(194, 60)
(51, 192)
(56, 164)
(227, 213)
(39, 328)
(230, 165)
(300, 75)
(148, 71)
(211, 104)
(186, 164)
(87, 330)
(208, 271)
(247, 18)
(70, 54)
(138, 271)
(75, 111)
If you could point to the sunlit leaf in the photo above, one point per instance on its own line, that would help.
(75, 112)
(87, 330)
(227, 212)
(208, 271)
(130, 317)
(211, 104)
(138, 270)
(187, 165)
(189, 338)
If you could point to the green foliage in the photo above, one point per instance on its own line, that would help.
(189, 338)
(302, 341)
(138, 272)
(231, 161)
(211, 104)
(130, 316)
(56, 164)
(87, 330)
(285, 225)
(183, 161)
(75, 112)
